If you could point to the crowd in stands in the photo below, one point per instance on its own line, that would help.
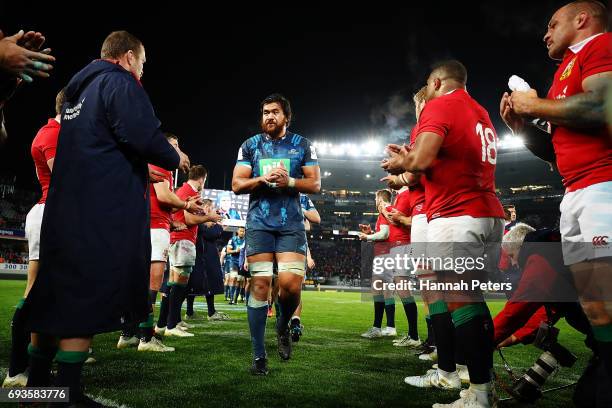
(341, 258)
(13, 252)
(14, 208)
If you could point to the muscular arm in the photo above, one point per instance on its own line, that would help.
(167, 197)
(313, 216)
(311, 183)
(192, 219)
(584, 110)
(404, 220)
(242, 183)
(424, 152)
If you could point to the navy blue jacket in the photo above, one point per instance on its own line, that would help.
(95, 239)
(207, 277)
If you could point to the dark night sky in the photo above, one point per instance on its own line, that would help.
(347, 71)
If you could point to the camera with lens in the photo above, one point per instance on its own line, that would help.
(528, 388)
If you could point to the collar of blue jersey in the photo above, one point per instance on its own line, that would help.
(267, 136)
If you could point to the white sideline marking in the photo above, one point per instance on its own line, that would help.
(107, 402)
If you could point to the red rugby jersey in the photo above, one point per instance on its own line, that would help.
(417, 192)
(584, 156)
(161, 215)
(191, 233)
(43, 149)
(461, 181)
(400, 233)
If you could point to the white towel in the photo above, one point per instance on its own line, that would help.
(516, 83)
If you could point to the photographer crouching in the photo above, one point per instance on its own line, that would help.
(544, 294)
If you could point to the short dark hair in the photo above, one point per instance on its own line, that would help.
(507, 208)
(384, 194)
(282, 101)
(596, 9)
(118, 43)
(206, 201)
(59, 101)
(171, 136)
(451, 69)
(197, 172)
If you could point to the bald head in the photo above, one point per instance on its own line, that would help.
(596, 11)
(573, 23)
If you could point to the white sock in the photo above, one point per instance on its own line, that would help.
(482, 392)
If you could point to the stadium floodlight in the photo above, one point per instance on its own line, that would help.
(338, 150)
(510, 141)
(367, 176)
(372, 148)
(353, 150)
(322, 148)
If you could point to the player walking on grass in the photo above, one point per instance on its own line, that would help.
(274, 167)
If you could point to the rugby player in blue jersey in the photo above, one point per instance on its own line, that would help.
(311, 216)
(274, 167)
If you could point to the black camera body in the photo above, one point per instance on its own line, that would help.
(528, 388)
(546, 339)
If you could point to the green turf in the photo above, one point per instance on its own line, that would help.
(332, 365)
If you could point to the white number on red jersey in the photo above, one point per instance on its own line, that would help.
(489, 143)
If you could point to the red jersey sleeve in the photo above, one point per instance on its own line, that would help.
(597, 57)
(512, 317)
(167, 174)
(49, 146)
(437, 117)
(527, 333)
(402, 203)
(49, 151)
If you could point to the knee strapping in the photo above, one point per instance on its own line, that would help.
(295, 267)
(254, 303)
(261, 268)
(184, 271)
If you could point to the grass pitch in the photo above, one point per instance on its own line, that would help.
(331, 366)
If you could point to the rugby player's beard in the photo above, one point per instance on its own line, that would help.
(276, 130)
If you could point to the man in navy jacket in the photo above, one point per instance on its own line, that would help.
(95, 239)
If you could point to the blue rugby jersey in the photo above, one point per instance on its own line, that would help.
(271, 208)
(236, 243)
(306, 203)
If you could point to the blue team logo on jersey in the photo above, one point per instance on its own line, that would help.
(283, 216)
(265, 208)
